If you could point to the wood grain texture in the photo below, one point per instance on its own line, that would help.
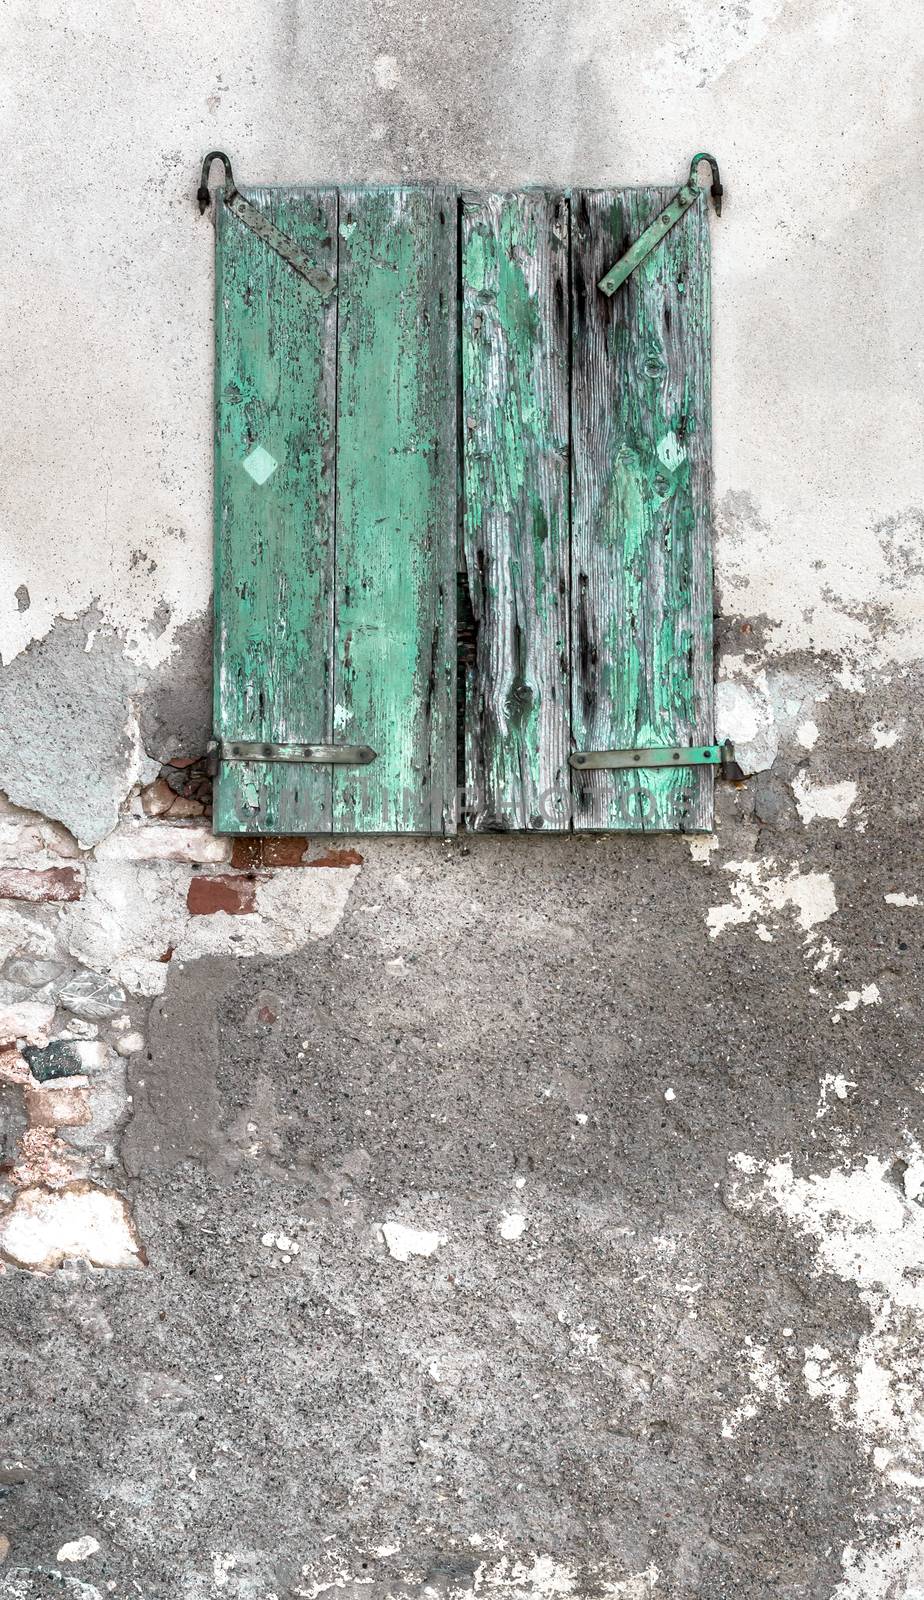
(515, 410)
(641, 573)
(394, 648)
(274, 540)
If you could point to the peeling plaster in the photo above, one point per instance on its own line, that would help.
(509, 1577)
(824, 801)
(869, 1233)
(78, 1549)
(132, 915)
(403, 1242)
(69, 741)
(767, 1385)
(894, 1571)
(867, 996)
(759, 891)
(44, 1227)
(765, 709)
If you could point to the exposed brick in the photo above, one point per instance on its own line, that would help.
(336, 858)
(221, 893)
(288, 850)
(284, 851)
(59, 1105)
(157, 798)
(183, 806)
(26, 1019)
(43, 1159)
(13, 1069)
(36, 884)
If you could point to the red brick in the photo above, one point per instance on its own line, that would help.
(221, 893)
(246, 852)
(183, 806)
(336, 858)
(157, 798)
(52, 883)
(288, 850)
(285, 851)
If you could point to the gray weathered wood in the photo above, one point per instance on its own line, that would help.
(515, 526)
(641, 574)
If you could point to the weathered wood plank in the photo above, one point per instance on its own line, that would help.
(394, 655)
(274, 451)
(515, 524)
(641, 575)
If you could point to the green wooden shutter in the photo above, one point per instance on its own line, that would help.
(336, 511)
(579, 517)
(641, 573)
(516, 521)
(274, 511)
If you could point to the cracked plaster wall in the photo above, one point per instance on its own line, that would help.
(558, 1201)
(105, 493)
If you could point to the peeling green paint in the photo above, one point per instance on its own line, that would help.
(584, 485)
(515, 523)
(641, 571)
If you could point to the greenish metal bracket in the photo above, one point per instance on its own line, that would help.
(702, 755)
(254, 219)
(654, 233)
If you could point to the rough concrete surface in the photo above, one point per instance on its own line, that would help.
(623, 1361)
(515, 1218)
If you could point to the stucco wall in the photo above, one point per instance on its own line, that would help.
(530, 1217)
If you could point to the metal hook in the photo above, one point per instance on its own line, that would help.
(715, 189)
(202, 193)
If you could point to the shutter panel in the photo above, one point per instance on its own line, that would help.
(335, 587)
(515, 524)
(347, 328)
(395, 649)
(641, 573)
(274, 512)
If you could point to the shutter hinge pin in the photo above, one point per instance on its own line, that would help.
(203, 194)
(715, 188)
(254, 219)
(662, 224)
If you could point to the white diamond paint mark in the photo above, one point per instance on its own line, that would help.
(260, 465)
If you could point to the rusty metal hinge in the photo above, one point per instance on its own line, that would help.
(253, 218)
(335, 755)
(698, 755)
(654, 233)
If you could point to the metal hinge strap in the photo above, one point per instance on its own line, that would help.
(698, 755)
(654, 233)
(253, 218)
(336, 755)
